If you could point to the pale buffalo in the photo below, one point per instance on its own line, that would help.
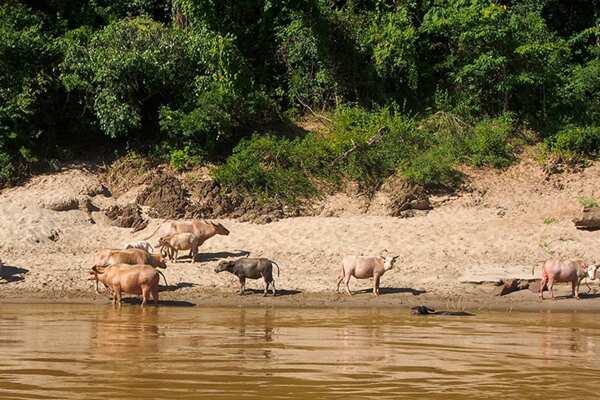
(556, 270)
(364, 267)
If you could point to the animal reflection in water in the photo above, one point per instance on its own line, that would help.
(127, 331)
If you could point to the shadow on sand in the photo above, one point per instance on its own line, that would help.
(280, 292)
(207, 257)
(179, 285)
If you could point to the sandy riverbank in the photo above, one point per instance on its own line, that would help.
(499, 227)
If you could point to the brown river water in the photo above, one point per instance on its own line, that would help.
(100, 352)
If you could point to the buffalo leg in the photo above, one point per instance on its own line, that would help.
(542, 284)
(340, 279)
(273, 287)
(194, 253)
(551, 288)
(242, 285)
(575, 289)
(145, 296)
(155, 295)
(347, 283)
(376, 285)
(266, 286)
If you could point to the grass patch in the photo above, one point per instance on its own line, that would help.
(588, 202)
(550, 220)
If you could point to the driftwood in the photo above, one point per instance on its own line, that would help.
(589, 219)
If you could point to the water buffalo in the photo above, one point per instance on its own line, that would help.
(203, 230)
(107, 257)
(251, 268)
(133, 279)
(364, 267)
(179, 241)
(555, 270)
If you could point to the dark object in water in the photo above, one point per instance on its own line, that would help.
(424, 310)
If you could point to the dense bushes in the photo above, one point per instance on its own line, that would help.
(413, 88)
(145, 80)
(366, 147)
(574, 141)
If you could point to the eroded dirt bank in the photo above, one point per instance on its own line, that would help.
(503, 225)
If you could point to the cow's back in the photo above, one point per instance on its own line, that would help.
(131, 278)
(561, 270)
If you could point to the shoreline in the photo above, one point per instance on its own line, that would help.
(523, 301)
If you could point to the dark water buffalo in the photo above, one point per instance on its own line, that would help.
(424, 310)
(251, 268)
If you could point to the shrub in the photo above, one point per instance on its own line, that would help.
(263, 165)
(365, 147)
(7, 170)
(184, 159)
(572, 141)
(489, 144)
(433, 168)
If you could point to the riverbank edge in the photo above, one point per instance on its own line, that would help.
(523, 301)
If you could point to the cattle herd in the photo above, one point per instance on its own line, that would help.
(134, 269)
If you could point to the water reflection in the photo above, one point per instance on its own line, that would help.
(98, 352)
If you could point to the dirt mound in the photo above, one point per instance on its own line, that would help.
(406, 198)
(129, 216)
(215, 202)
(127, 173)
(166, 196)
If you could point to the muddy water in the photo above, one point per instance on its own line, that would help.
(97, 352)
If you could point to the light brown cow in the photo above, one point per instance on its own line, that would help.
(364, 267)
(556, 270)
(203, 230)
(179, 241)
(132, 279)
(108, 257)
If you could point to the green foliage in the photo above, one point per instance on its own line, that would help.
(489, 143)
(434, 167)
(184, 159)
(393, 40)
(362, 146)
(412, 87)
(266, 165)
(7, 170)
(573, 141)
(143, 78)
(503, 57)
(588, 202)
(25, 56)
